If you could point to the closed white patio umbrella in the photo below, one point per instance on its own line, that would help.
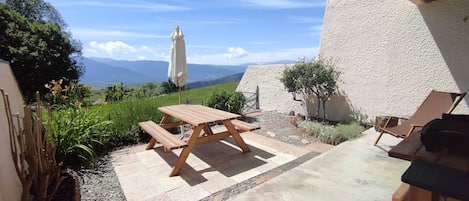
(177, 69)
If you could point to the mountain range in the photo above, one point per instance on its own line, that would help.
(109, 71)
(102, 72)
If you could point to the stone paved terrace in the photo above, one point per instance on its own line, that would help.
(354, 170)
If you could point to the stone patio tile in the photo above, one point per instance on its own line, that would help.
(220, 184)
(159, 197)
(319, 147)
(141, 185)
(245, 175)
(209, 168)
(184, 193)
(149, 158)
(128, 168)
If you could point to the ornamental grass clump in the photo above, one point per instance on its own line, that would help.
(78, 133)
(126, 115)
(331, 134)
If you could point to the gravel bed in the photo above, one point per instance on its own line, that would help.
(100, 182)
(280, 127)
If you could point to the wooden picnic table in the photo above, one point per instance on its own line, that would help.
(426, 163)
(201, 118)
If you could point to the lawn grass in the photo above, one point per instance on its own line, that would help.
(126, 114)
(196, 96)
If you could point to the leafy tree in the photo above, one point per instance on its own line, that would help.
(37, 10)
(170, 87)
(314, 77)
(146, 90)
(115, 93)
(33, 40)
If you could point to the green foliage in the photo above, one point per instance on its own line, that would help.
(348, 131)
(38, 50)
(227, 101)
(115, 93)
(317, 77)
(170, 87)
(196, 96)
(37, 10)
(146, 90)
(73, 95)
(127, 114)
(332, 134)
(78, 133)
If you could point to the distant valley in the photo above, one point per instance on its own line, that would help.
(102, 72)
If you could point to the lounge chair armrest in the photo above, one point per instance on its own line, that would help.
(401, 118)
(413, 128)
(391, 121)
(416, 125)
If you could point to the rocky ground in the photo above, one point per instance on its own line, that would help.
(101, 183)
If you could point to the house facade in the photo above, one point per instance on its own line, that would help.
(10, 186)
(390, 53)
(393, 53)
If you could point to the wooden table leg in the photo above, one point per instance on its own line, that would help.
(185, 152)
(151, 144)
(236, 136)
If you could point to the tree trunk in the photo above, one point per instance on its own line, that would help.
(319, 107)
(323, 110)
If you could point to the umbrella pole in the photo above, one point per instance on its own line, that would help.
(180, 95)
(181, 127)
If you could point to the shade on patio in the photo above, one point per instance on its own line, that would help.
(177, 69)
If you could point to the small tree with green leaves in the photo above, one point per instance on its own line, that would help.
(115, 93)
(170, 87)
(312, 77)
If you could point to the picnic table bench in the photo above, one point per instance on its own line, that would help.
(162, 136)
(201, 118)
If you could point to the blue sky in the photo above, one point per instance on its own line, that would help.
(216, 32)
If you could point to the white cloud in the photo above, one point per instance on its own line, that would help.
(230, 56)
(292, 54)
(112, 47)
(236, 52)
(285, 4)
(123, 51)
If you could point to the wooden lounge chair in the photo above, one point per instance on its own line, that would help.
(436, 103)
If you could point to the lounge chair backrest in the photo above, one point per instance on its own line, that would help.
(436, 103)
(434, 106)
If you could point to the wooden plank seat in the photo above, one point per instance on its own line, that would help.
(243, 126)
(162, 136)
(240, 126)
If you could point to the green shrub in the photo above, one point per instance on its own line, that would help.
(227, 101)
(74, 94)
(332, 134)
(78, 133)
(345, 132)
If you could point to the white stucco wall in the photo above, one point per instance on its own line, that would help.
(10, 186)
(393, 53)
(272, 94)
